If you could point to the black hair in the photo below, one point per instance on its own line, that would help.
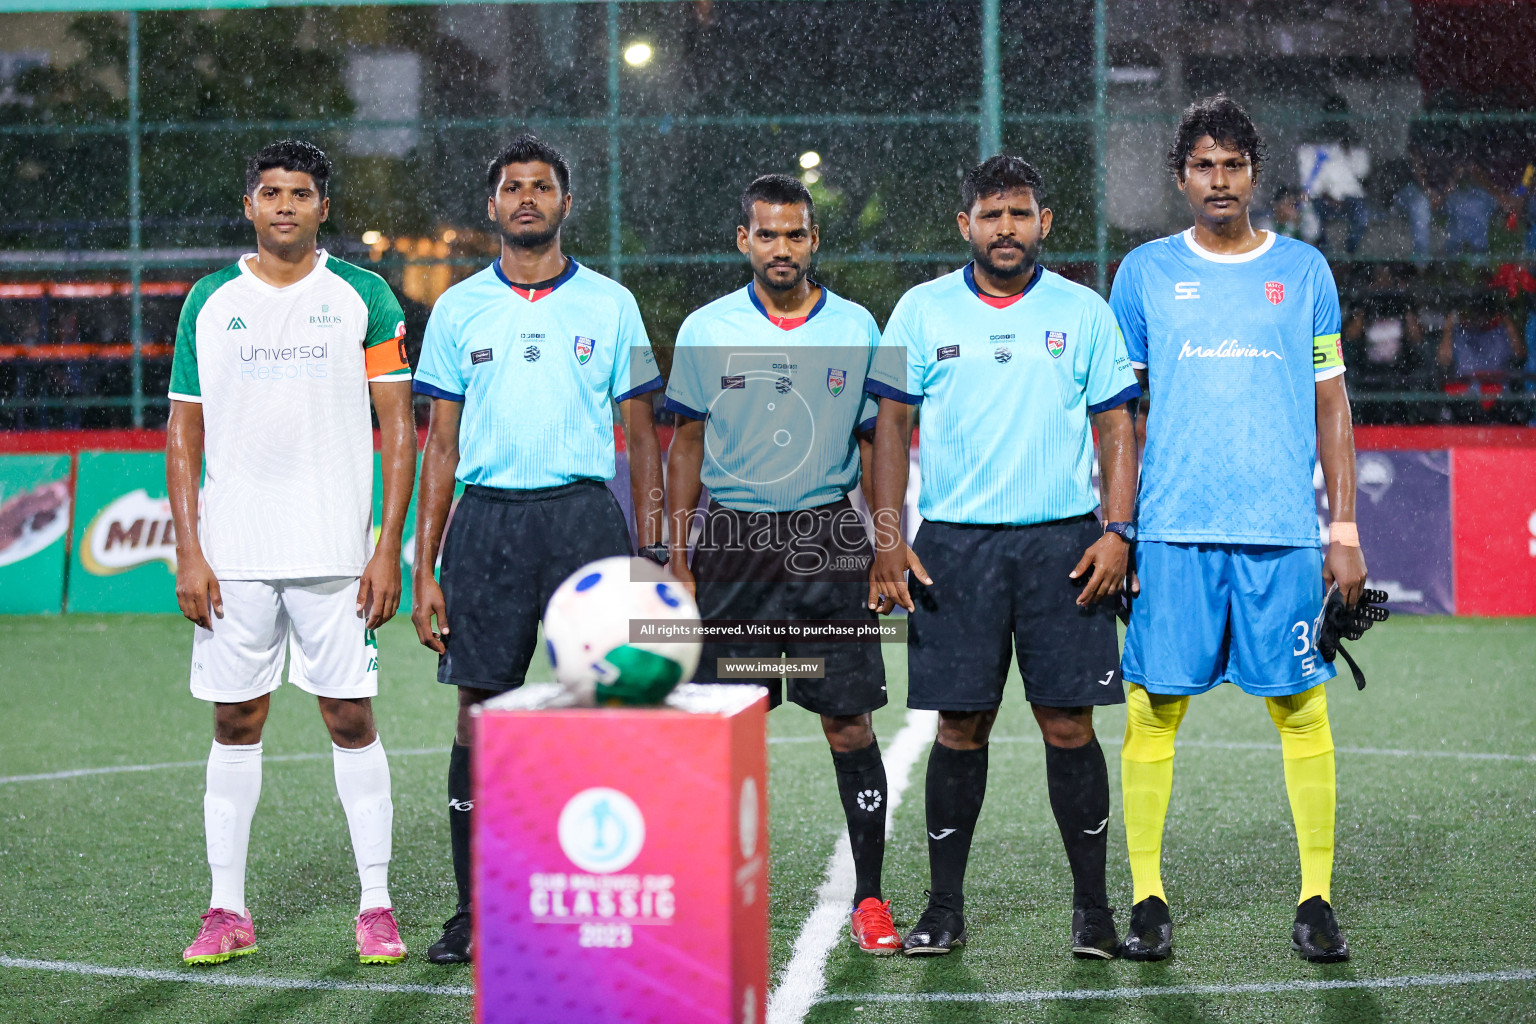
(289, 155)
(775, 190)
(998, 174)
(1225, 121)
(528, 149)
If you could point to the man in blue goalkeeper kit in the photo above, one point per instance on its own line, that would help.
(767, 383)
(1014, 366)
(1235, 334)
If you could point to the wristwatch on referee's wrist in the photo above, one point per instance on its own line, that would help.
(1127, 531)
(658, 553)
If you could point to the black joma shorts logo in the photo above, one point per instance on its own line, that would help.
(481, 355)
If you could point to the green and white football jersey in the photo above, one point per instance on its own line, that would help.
(282, 375)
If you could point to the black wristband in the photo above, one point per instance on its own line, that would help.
(658, 553)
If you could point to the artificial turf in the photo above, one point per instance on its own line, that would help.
(1435, 843)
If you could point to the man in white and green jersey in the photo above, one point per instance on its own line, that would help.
(276, 360)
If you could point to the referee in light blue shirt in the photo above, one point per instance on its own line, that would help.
(1012, 365)
(523, 362)
(768, 384)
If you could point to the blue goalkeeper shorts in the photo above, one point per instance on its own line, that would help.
(1238, 613)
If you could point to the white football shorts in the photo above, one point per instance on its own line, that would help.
(315, 621)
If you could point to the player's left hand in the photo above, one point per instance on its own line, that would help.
(1345, 566)
(1109, 556)
(378, 592)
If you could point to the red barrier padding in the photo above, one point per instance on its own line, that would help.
(1493, 502)
(1435, 438)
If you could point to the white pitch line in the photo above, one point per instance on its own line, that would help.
(77, 773)
(232, 980)
(1160, 991)
(804, 976)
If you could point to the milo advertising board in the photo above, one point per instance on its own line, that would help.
(34, 518)
(125, 541)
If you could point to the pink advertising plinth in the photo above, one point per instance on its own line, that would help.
(621, 860)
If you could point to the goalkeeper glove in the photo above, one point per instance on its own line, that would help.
(1340, 621)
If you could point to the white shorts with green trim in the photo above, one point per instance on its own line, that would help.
(314, 621)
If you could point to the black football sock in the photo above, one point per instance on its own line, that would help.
(957, 783)
(460, 803)
(861, 784)
(1079, 787)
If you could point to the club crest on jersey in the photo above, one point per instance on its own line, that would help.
(1055, 343)
(836, 381)
(1274, 291)
(584, 347)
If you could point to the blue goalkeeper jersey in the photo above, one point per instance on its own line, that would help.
(1233, 347)
(1007, 387)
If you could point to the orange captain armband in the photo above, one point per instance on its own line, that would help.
(1347, 534)
(387, 357)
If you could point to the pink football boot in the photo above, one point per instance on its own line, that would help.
(224, 934)
(378, 937)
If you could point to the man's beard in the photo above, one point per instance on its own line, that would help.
(529, 239)
(794, 282)
(984, 261)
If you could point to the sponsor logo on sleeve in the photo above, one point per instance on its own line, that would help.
(481, 355)
(949, 352)
(1055, 343)
(400, 341)
(836, 381)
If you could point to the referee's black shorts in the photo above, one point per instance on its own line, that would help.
(806, 565)
(504, 555)
(996, 587)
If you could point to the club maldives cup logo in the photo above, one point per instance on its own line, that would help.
(1055, 343)
(1274, 291)
(584, 347)
(836, 381)
(601, 830)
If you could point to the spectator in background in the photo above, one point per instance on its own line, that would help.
(1285, 212)
(1417, 200)
(1479, 348)
(1333, 171)
(1384, 344)
(1469, 205)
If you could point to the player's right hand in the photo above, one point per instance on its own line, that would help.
(427, 602)
(887, 579)
(197, 590)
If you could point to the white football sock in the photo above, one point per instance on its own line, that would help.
(362, 782)
(234, 786)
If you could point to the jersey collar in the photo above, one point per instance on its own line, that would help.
(970, 282)
(250, 275)
(787, 323)
(1195, 247)
(539, 289)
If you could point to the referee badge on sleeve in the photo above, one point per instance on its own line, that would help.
(584, 347)
(1055, 343)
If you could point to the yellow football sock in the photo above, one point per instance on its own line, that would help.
(1306, 744)
(1146, 782)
